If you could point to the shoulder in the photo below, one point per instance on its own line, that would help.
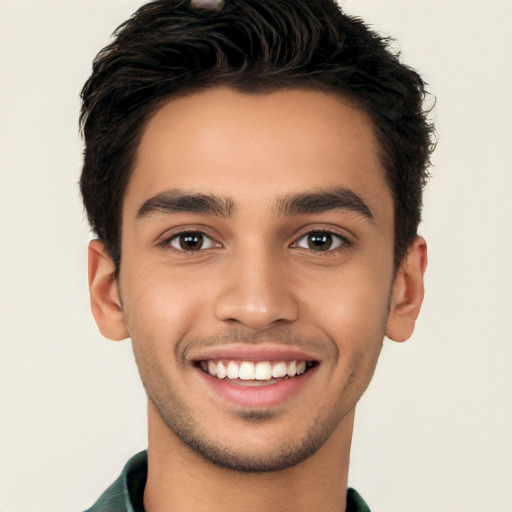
(126, 493)
(355, 503)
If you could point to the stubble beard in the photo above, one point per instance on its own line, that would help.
(182, 422)
(179, 417)
(286, 455)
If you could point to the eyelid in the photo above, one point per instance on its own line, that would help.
(165, 240)
(207, 240)
(344, 241)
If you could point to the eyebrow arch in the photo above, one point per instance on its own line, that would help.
(178, 201)
(324, 201)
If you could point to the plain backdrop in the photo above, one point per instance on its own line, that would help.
(433, 432)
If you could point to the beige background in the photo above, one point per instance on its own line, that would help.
(433, 433)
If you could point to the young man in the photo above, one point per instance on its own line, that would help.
(253, 172)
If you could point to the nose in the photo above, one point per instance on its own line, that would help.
(255, 291)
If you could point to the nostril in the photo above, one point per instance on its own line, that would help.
(253, 300)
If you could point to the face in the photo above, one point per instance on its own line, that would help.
(256, 274)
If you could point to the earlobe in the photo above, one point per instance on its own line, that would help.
(104, 293)
(407, 293)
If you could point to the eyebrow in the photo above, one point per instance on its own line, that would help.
(178, 201)
(324, 201)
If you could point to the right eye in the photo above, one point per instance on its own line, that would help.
(191, 241)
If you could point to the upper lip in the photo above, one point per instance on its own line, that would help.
(255, 353)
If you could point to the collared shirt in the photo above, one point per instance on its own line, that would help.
(126, 493)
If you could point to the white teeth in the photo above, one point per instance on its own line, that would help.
(263, 371)
(250, 371)
(246, 371)
(212, 367)
(221, 371)
(291, 371)
(279, 370)
(232, 371)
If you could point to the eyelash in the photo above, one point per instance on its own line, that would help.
(168, 242)
(338, 239)
(341, 241)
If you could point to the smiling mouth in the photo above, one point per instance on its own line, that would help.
(255, 373)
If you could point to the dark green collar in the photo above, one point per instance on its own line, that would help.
(126, 493)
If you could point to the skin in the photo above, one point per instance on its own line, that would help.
(257, 282)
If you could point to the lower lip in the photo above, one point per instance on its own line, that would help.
(258, 396)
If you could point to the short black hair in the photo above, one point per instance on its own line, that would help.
(171, 47)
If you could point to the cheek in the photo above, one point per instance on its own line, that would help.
(159, 305)
(351, 309)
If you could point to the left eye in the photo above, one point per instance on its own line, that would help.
(320, 241)
(191, 241)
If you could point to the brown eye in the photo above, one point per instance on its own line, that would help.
(320, 241)
(192, 241)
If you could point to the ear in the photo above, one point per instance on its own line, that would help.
(103, 289)
(408, 291)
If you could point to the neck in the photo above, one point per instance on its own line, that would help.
(181, 480)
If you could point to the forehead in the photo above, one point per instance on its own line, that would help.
(251, 147)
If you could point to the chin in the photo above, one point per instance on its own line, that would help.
(235, 458)
(261, 446)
